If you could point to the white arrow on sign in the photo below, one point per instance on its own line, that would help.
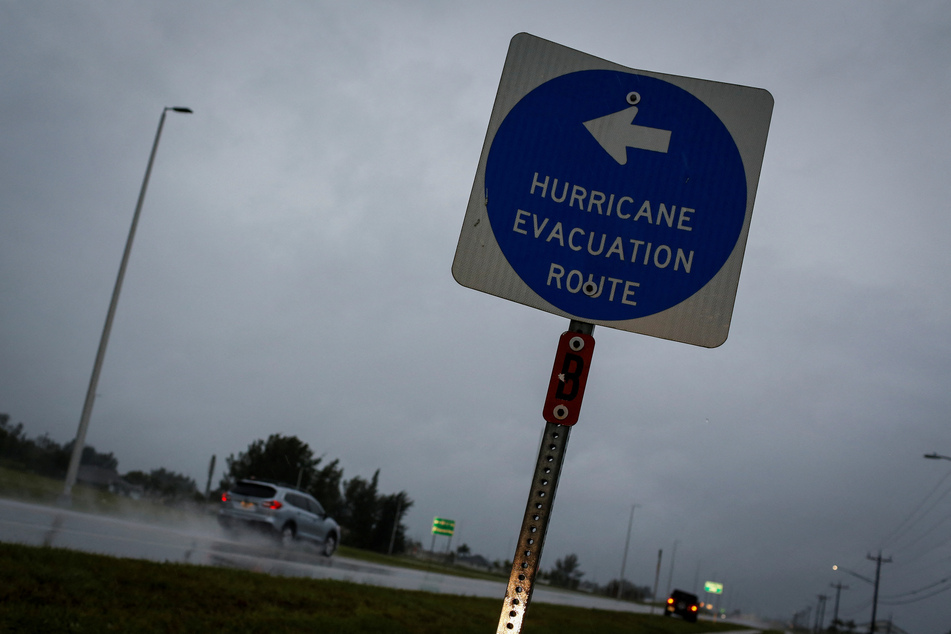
(616, 132)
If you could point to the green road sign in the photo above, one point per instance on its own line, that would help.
(713, 587)
(442, 526)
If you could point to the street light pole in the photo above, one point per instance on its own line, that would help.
(670, 575)
(854, 574)
(80, 441)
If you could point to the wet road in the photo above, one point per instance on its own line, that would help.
(202, 542)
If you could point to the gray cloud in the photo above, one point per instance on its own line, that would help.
(291, 275)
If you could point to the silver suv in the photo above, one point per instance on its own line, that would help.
(282, 511)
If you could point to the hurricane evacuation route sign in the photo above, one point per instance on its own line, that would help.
(614, 196)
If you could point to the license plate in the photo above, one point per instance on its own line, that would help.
(247, 505)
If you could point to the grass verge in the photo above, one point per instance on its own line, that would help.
(36, 489)
(55, 590)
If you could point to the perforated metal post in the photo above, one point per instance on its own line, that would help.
(531, 538)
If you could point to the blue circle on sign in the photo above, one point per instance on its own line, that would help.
(614, 195)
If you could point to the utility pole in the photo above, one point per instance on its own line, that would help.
(878, 573)
(820, 613)
(835, 613)
(716, 609)
(801, 618)
(396, 522)
(211, 471)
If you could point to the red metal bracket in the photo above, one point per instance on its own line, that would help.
(568, 377)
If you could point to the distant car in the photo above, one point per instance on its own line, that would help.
(684, 605)
(279, 510)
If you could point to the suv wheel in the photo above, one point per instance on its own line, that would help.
(330, 545)
(287, 535)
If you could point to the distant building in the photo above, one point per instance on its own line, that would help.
(473, 561)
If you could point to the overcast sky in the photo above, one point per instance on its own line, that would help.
(291, 275)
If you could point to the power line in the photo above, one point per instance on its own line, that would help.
(925, 534)
(901, 529)
(916, 600)
(897, 599)
(910, 558)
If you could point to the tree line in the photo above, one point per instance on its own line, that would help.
(46, 457)
(567, 574)
(367, 515)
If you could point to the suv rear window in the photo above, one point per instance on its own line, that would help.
(254, 490)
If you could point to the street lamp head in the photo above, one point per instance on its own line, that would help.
(932, 456)
(185, 110)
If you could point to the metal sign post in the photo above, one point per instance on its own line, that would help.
(565, 393)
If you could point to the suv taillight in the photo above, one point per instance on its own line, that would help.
(224, 497)
(273, 505)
